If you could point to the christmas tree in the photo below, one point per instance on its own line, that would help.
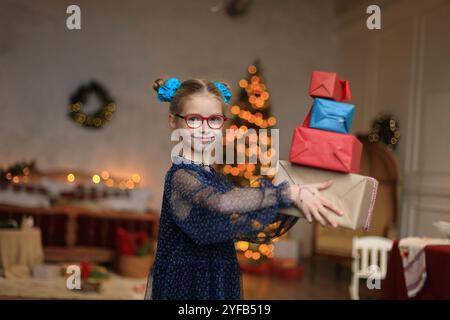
(251, 110)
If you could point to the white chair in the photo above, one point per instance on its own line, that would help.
(369, 256)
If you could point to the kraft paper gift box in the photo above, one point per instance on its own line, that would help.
(328, 85)
(324, 149)
(354, 194)
(331, 115)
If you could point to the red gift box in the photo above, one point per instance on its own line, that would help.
(325, 149)
(328, 85)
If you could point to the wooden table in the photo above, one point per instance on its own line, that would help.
(20, 247)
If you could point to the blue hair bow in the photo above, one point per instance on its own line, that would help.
(226, 94)
(167, 91)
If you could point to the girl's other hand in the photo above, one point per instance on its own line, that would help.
(314, 206)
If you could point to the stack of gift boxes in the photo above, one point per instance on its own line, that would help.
(322, 149)
(323, 141)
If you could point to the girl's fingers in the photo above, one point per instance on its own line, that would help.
(307, 215)
(331, 206)
(318, 217)
(324, 185)
(325, 213)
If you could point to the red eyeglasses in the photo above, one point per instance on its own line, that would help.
(194, 120)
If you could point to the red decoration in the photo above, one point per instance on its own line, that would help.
(328, 85)
(128, 243)
(85, 270)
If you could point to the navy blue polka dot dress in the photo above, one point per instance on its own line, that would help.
(202, 215)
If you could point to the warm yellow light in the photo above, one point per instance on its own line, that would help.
(235, 109)
(15, 179)
(104, 175)
(272, 121)
(255, 183)
(263, 248)
(129, 184)
(248, 254)
(242, 245)
(71, 177)
(96, 178)
(255, 86)
(256, 255)
(243, 83)
(259, 103)
(136, 178)
(251, 69)
(110, 183)
(226, 168)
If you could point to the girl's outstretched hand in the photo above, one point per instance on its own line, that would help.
(313, 205)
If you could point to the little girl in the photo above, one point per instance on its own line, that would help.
(203, 214)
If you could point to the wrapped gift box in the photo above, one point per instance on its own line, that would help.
(328, 85)
(332, 116)
(326, 150)
(352, 193)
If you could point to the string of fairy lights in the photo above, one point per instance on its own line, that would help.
(21, 173)
(105, 178)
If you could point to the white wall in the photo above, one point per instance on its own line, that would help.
(126, 45)
(403, 69)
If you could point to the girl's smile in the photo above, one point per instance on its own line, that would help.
(204, 139)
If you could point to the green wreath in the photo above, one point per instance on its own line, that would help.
(99, 118)
(385, 129)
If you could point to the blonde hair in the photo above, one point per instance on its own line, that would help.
(188, 88)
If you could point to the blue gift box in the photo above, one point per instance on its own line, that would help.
(331, 115)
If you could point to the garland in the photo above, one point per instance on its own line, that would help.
(385, 129)
(97, 119)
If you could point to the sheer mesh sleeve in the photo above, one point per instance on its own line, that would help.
(209, 214)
